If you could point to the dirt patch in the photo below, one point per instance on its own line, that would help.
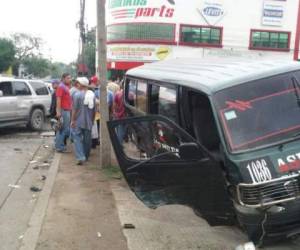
(81, 212)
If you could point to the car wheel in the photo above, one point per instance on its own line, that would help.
(37, 118)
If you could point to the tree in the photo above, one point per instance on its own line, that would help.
(7, 54)
(37, 66)
(90, 51)
(58, 68)
(26, 46)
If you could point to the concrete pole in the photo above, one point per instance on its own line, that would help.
(105, 145)
(297, 38)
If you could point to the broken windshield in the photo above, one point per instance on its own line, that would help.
(260, 113)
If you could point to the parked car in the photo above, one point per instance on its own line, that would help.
(23, 102)
(221, 137)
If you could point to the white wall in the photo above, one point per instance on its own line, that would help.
(240, 17)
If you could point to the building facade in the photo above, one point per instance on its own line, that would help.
(143, 31)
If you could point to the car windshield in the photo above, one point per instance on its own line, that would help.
(260, 113)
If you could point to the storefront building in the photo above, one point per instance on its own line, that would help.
(144, 31)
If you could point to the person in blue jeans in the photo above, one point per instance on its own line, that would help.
(83, 115)
(63, 109)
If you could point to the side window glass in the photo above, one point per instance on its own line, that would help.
(39, 88)
(142, 96)
(21, 89)
(163, 101)
(167, 103)
(6, 88)
(131, 93)
(152, 138)
(154, 97)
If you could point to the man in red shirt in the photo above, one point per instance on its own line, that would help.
(63, 111)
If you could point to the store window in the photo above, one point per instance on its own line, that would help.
(163, 101)
(272, 40)
(141, 32)
(200, 35)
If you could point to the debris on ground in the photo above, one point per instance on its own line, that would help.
(17, 149)
(44, 165)
(35, 189)
(99, 235)
(46, 146)
(36, 167)
(128, 226)
(47, 134)
(43, 177)
(21, 237)
(14, 186)
(246, 246)
(32, 162)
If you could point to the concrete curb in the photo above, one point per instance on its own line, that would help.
(32, 234)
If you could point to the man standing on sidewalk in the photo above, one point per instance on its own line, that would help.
(83, 115)
(63, 111)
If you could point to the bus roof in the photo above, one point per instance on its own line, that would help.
(211, 75)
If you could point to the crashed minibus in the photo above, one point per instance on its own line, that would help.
(222, 137)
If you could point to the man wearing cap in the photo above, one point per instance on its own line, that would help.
(63, 111)
(83, 115)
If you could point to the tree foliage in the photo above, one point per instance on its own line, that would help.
(26, 45)
(7, 54)
(37, 66)
(90, 50)
(58, 68)
(26, 49)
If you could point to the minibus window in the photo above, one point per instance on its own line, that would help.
(142, 96)
(131, 93)
(167, 102)
(154, 99)
(163, 101)
(260, 113)
(203, 122)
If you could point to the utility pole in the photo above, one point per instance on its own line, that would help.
(82, 70)
(105, 146)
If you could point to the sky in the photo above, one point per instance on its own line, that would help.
(52, 20)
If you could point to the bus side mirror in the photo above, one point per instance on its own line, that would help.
(190, 151)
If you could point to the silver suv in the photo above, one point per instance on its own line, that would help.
(23, 102)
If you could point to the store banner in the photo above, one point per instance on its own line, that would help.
(141, 53)
(273, 12)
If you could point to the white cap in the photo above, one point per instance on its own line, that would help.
(83, 81)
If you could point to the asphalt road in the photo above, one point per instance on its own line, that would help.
(24, 158)
(176, 227)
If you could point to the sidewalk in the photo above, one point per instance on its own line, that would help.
(81, 212)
